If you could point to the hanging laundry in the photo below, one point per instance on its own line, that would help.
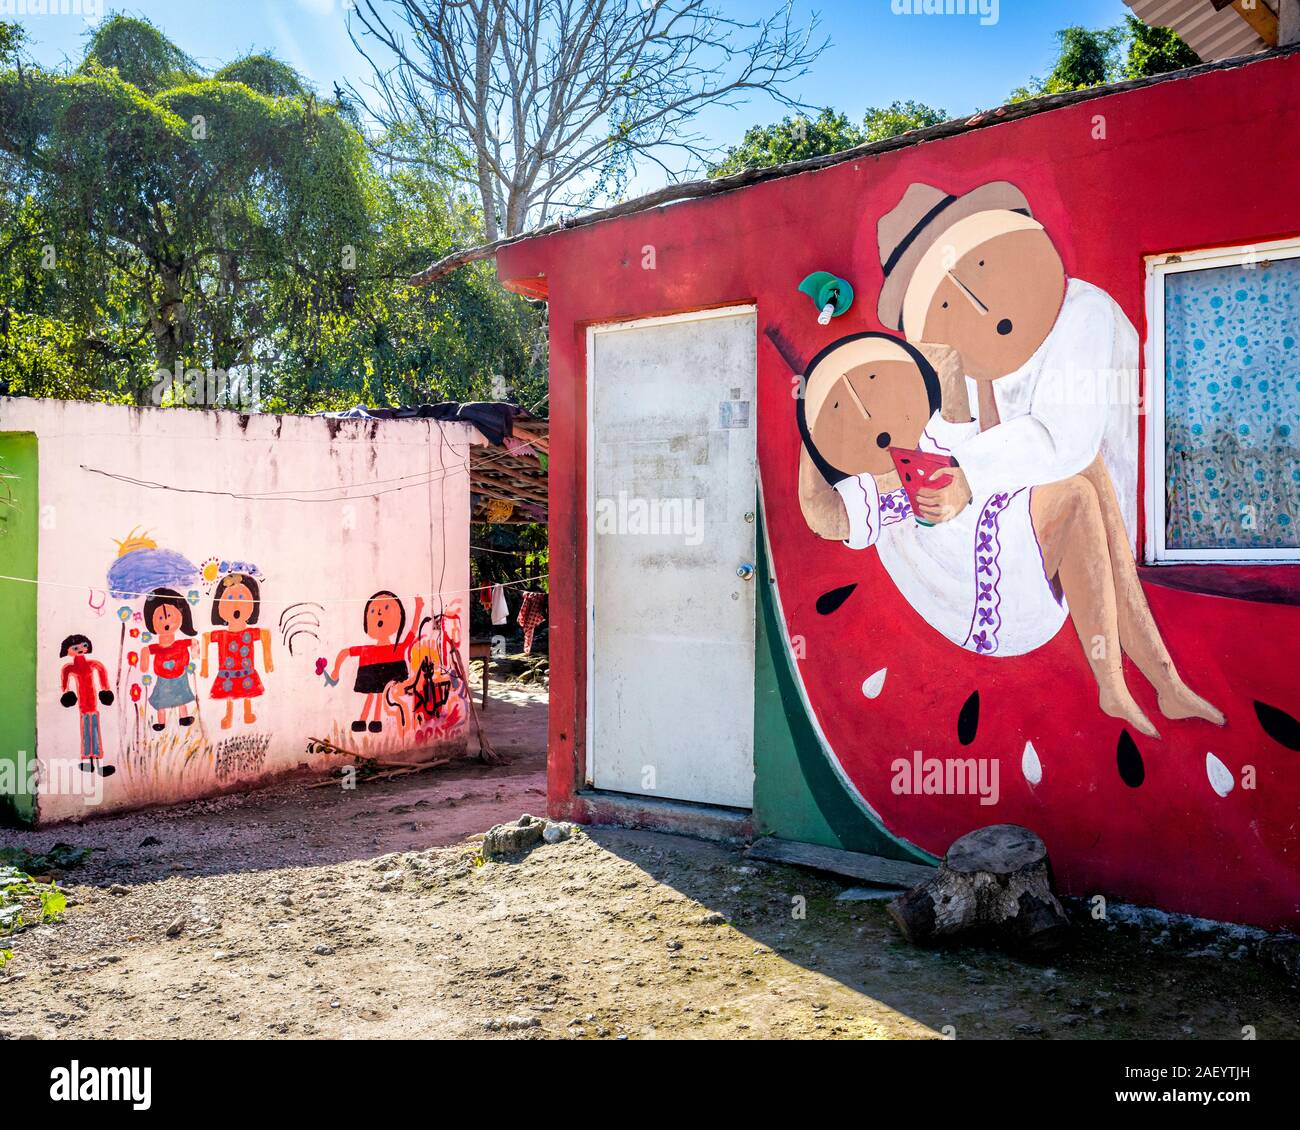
(500, 610)
(485, 597)
(531, 613)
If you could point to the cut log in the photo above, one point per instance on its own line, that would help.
(995, 882)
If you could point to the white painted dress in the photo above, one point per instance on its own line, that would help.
(977, 579)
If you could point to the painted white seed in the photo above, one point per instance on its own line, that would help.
(1220, 775)
(1030, 766)
(875, 684)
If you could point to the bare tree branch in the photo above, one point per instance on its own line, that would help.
(554, 100)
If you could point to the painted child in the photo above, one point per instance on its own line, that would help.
(166, 613)
(998, 576)
(382, 661)
(85, 673)
(235, 610)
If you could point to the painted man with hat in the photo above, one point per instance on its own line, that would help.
(1050, 366)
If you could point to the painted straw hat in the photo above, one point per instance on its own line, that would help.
(909, 229)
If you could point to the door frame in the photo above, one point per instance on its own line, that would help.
(589, 518)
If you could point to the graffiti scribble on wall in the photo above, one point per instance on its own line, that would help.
(300, 621)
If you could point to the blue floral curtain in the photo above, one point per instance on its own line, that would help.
(1232, 407)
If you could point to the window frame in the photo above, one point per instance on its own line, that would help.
(1158, 269)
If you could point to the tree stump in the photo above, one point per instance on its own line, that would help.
(995, 882)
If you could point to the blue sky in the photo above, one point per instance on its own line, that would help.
(876, 56)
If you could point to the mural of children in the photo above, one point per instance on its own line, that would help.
(85, 673)
(235, 608)
(385, 660)
(166, 612)
(1051, 362)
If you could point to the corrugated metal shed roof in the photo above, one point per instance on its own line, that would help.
(1212, 35)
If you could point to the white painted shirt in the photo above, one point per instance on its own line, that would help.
(1076, 396)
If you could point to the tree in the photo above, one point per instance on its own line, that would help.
(790, 139)
(1155, 50)
(233, 223)
(11, 39)
(899, 117)
(794, 139)
(1085, 58)
(548, 103)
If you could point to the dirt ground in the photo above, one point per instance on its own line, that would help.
(367, 913)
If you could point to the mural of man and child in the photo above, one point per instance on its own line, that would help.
(406, 678)
(989, 452)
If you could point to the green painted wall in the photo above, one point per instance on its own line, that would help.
(797, 793)
(19, 526)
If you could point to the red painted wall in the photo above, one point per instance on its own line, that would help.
(1185, 164)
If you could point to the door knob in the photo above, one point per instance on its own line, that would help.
(745, 572)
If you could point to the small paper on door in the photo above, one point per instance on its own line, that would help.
(733, 413)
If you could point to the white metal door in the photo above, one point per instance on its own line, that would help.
(672, 474)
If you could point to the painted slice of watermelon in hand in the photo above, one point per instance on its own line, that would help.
(920, 470)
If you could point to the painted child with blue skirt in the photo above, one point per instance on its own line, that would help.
(166, 613)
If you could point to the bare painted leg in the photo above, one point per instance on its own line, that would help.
(1139, 635)
(249, 716)
(230, 714)
(1067, 520)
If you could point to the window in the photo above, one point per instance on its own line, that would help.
(1223, 452)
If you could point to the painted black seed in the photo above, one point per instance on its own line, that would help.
(1128, 759)
(830, 602)
(1279, 725)
(968, 720)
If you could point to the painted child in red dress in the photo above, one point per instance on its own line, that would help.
(235, 607)
(85, 673)
(166, 612)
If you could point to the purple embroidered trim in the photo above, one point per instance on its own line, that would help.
(894, 507)
(866, 507)
(938, 447)
(986, 616)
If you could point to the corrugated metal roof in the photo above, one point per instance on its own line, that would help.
(1212, 35)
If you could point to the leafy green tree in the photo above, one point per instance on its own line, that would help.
(152, 218)
(140, 54)
(790, 139)
(1085, 58)
(794, 139)
(11, 38)
(899, 117)
(1155, 50)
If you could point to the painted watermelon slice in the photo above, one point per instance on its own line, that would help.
(919, 470)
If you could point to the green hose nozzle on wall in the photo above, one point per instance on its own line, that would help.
(831, 295)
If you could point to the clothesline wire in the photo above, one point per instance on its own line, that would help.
(507, 552)
(336, 600)
(424, 478)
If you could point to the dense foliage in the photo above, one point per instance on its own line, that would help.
(793, 139)
(155, 220)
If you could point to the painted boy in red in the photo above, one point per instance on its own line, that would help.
(84, 673)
